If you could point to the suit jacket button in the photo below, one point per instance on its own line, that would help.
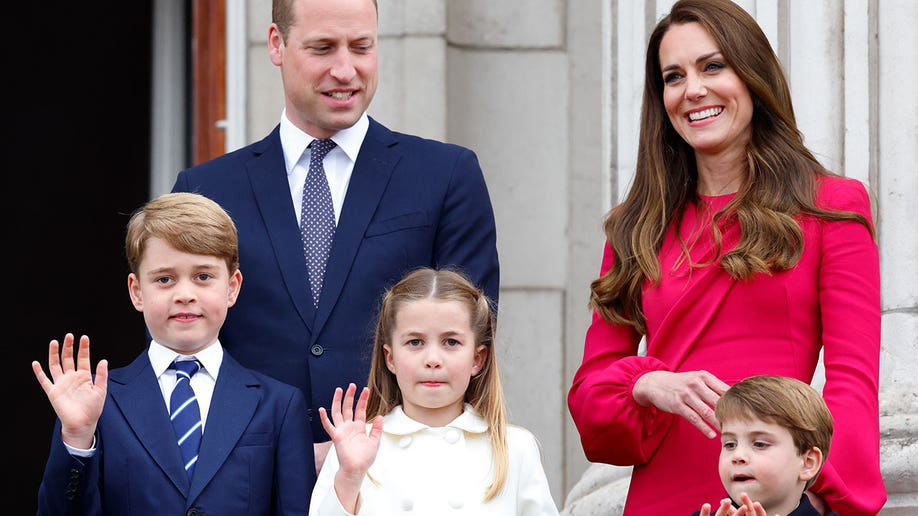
(194, 512)
(316, 350)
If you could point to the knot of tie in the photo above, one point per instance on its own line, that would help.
(185, 368)
(319, 148)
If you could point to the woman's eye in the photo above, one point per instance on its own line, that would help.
(714, 66)
(671, 78)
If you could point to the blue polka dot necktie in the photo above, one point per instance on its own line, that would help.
(185, 414)
(317, 218)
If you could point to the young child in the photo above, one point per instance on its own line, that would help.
(775, 435)
(255, 454)
(438, 441)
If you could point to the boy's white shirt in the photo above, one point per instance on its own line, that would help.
(445, 470)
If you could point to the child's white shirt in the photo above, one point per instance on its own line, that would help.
(422, 470)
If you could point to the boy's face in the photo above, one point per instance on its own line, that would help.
(184, 297)
(760, 459)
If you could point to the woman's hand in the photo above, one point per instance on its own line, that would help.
(76, 397)
(356, 450)
(691, 395)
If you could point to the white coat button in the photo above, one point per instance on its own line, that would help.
(407, 504)
(451, 436)
(404, 441)
(456, 503)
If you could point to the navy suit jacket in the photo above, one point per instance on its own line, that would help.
(410, 202)
(255, 455)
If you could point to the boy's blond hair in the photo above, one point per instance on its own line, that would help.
(188, 222)
(783, 401)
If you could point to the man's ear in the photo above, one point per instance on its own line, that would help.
(812, 461)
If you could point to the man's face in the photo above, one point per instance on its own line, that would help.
(328, 63)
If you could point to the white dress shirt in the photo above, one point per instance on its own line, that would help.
(338, 163)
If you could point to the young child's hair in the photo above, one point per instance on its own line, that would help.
(783, 401)
(188, 222)
(484, 392)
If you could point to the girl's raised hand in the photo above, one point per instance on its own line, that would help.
(76, 397)
(355, 448)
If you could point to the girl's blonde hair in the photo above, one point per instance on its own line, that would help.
(484, 392)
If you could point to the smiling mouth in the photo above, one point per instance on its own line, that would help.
(340, 95)
(705, 113)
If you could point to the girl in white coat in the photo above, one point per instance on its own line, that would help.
(437, 441)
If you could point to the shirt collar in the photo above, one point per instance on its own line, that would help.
(398, 423)
(210, 358)
(294, 141)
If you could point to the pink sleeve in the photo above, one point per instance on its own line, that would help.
(613, 428)
(849, 297)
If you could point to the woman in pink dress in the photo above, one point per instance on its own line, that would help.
(735, 253)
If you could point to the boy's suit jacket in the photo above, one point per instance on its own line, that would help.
(410, 202)
(255, 456)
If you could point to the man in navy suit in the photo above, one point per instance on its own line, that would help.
(253, 456)
(400, 202)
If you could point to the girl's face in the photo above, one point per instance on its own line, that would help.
(433, 355)
(707, 103)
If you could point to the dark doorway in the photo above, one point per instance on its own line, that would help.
(78, 155)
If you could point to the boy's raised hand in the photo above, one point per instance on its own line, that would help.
(355, 448)
(76, 397)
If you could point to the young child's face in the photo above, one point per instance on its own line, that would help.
(433, 354)
(760, 459)
(184, 297)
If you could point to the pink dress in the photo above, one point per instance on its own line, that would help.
(773, 324)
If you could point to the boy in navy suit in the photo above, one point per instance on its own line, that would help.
(255, 454)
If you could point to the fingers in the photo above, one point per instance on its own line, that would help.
(347, 407)
(82, 362)
(42, 378)
(102, 375)
(326, 423)
(705, 510)
(336, 406)
(67, 353)
(361, 412)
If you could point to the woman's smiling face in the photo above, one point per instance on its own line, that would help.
(706, 101)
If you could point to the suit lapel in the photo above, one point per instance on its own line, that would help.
(267, 175)
(374, 165)
(233, 404)
(134, 389)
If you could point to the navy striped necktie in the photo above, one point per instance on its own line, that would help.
(185, 414)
